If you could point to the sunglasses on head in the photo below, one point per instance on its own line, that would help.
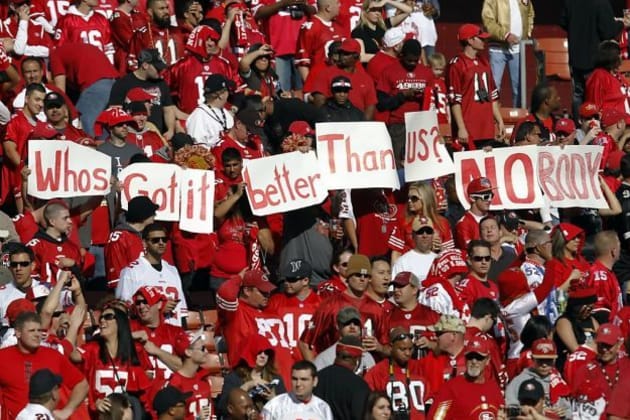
(475, 356)
(402, 336)
(108, 317)
(483, 197)
(427, 230)
(162, 239)
(15, 264)
(479, 258)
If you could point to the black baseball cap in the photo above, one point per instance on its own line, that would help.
(530, 391)
(215, 82)
(296, 269)
(43, 381)
(140, 208)
(53, 100)
(168, 397)
(152, 56)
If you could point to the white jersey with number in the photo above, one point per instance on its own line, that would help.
(35, 412)
(141, 273)
(287, 407)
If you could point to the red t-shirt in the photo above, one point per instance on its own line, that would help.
(395, 78)
(193, 251)
(559, 271)
(362, 93)
(461, 399)
(18, 131)
(465, 78)
(17, 368)
(282, 30)
(470, 289)
(82, 64)
(314, 39)
(295, 314)
(608, 90)
(253, 149)
(374, 226)
(415, 321)
(405, 387)
(466, 229)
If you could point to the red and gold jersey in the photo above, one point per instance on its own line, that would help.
(296, 314)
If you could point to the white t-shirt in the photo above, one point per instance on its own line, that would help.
(141, 273)
(287, 407)
(9, 293)
(415, 262)
(35, 412)
(205, 124)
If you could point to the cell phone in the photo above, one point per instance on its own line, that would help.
(513, 411)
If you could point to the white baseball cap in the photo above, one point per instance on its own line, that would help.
(393, 36)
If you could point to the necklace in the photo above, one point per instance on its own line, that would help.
(611, 384)
(215, 116)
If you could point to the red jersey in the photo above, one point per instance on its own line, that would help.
(48, 253)
(322, 331)
(163, 337)
(377, 65)
(605, 376)
(609, 144)
(104, 380)
(331, 287)
(147, 140)
(576, 362)
(607, 288)
(470, 289)
(608, 90)
(124, 246)
(193, 251)
(36, 35)
(253, 149)
(201, 393)
(82, 64)
(17, 368)
(466, 229)
(53, 9)
(439, 369)
(281, 28)
(405, 386)
(496, 369)
(18, 131)
(231, 256)
(239, 321)
(127, 37)
(25, 226)
(559, 271)
(395, 78)
(93, 29)
(296, 314)
(435, 98)
(481, 401)
(466, 77)
(313, 41)
(349, 15)
(169, 42)
(416, 321)
(362, 94)
(187, 77)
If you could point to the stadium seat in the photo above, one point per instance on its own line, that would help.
(555, 56)
(197, 319)
(217, 364)
(511, 118)
(625, 67)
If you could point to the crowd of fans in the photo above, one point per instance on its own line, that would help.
(375, 304)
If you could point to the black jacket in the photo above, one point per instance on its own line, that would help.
(331, 111)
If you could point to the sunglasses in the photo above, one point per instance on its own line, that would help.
(483, 197)
(375, 9)
(475, 356)
(344, 264)
(548, 362)
(365, 276)
(15, 264)
(139, 302)
(355, 322)
(424, 231)
(107, 317)
(401, 337)
(413, 198)
(479, 258)
(162, 239)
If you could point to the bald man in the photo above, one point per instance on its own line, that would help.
(240, 406)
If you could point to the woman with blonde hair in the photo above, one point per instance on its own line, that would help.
(371, 27)
(421, 202)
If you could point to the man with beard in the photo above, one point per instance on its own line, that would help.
(162, 36)
(482, 398)
(401, 377)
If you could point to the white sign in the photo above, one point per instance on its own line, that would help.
(356, 155)
(197, 201)
(426, 156)
(158, 181)
(66, 169)
(284, 182)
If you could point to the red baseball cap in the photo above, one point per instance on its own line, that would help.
(479, 185)
(406, 277)
(468, 30)
(612, 116)
(259, 280)
(17, 307)
(151, 294)
(608, 334)
(477, 345)
(350, 45)
(184, 340)
(512, 284)
(302, 128)
(138, 94)
(565, 125)
(544, 348)
(588, 110)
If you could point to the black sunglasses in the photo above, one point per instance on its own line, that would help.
(162, 239)
(15, 264)
(402, 336)
(424, 231)
(107, 317)
(479, 258)
(352, 322)
(139, 302)
(293, 279)
(414, 198)
(475, 356)
(344, 264)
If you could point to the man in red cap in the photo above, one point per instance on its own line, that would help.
(483, 398)
(480, 193)
(363, 94)
(609, 366)
(242, 304)
(613, 126)
(588, 120)
(186, 78)
(142, 133)
(408, 313)
(117, 121)
(565, 131)
(472, 92)
(401, 377)
(153, 333)
(315, 35)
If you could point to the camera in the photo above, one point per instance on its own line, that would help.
(513, 411)
(483, 95)
(401, 412)
(296, 12)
